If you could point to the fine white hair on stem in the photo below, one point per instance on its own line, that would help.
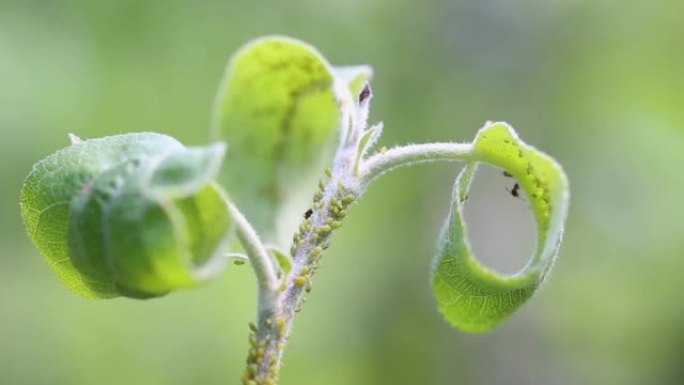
(380, 163)
(258, 255)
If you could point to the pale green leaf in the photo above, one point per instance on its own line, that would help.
(471, 296)
(368, 139)
(135, 215)
(282, 258)
(277, 107)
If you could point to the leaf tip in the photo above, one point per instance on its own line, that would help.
(74, 139)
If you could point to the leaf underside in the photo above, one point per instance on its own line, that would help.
(469, 295)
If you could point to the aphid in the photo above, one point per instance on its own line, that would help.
(515, 191)
(253, 327)
(365, 93)
(308, 213)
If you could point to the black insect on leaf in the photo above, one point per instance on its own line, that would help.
(365, 93)
(515, 191)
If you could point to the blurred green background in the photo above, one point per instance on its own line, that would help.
(597, 84)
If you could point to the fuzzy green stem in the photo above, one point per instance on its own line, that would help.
(341, 187)
(258, 255)
(269, 336)
(382, 162)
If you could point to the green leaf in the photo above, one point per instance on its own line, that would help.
(277, 107)
(471, 296)
(354, 77)
(135, 215)
(368, 139)
(282, 258)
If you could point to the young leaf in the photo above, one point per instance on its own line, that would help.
(277, 107)
(471, 296)
(366, 142)
(354, 77)
(134, 215)
(284, 261)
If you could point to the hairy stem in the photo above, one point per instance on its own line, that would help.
(258, 256)
(270, 334)
(341, 187)
(411, 154)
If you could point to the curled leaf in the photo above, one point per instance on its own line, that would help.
(471, 296)
(277, 106)
(134, 215)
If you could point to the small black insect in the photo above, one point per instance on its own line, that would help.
(365, 93)
(308, 213)
(515, 191)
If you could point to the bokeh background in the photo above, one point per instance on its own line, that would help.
(597, 84)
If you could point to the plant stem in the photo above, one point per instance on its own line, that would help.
(258, 256)
(272, 330)
(411, 154)
(338, 190)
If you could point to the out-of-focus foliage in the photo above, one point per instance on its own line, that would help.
(596, 84)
